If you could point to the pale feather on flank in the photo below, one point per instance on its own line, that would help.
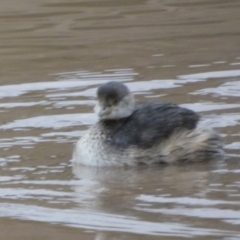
(195, 146)
(183, 146)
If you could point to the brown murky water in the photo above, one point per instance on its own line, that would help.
(53, 56)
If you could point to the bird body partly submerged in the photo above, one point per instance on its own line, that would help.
(147, 133)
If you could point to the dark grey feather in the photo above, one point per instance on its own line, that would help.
(112, 92)
(149, 124)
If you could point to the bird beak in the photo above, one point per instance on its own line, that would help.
(105, 111)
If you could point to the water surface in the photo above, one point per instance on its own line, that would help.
(54, 56)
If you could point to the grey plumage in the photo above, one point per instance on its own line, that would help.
(149, 124)
(112, 92)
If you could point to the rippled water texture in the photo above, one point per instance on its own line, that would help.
(54, 54)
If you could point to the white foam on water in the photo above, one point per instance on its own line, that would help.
(20, 89)
(21, 193)
(23, 104)
(208, 75)
(71, 134)
(209, 106)
(105, 222)
(234, 145)
(208, 213)
(69, 81)
(231, 89)
(190, 201)
(90, 93)
(9, 178)
(61, 104)
(223, 120)
(53, 121)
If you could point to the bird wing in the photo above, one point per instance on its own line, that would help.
(152, 122)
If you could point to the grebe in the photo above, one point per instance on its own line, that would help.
(130, 133)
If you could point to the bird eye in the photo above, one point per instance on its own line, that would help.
(115, 102)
